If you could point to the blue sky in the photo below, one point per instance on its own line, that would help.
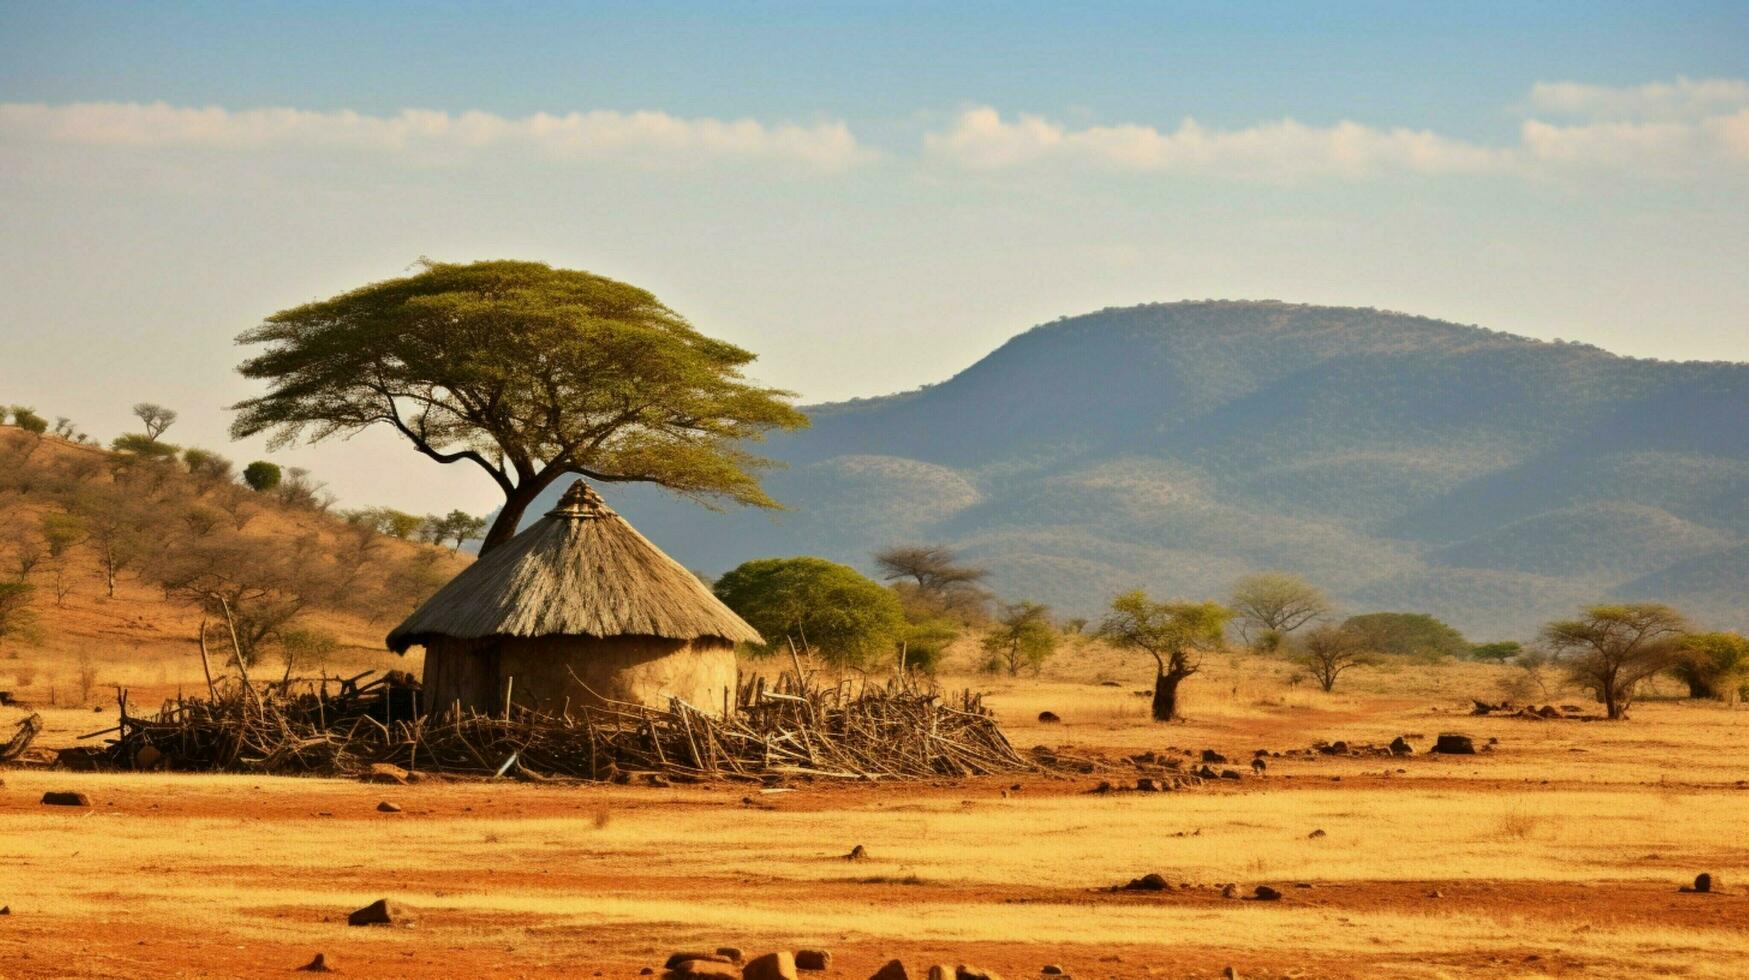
(872, 195)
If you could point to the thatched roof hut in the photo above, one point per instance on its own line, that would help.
(577, 606)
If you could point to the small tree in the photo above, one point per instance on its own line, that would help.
(1401, 634)
(820, 607)
(1275, 604)
(262, 476)
(1714, 665)
(206, 466)
(1175, 634)
(156, 418)
(28, 420)
(460, 526)
(1498, 652)
(1024, 635)
(1613, 648)
(138, 445)
(1328, 651)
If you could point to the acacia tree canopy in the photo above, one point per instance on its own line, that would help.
(526, 371)
(820, 606)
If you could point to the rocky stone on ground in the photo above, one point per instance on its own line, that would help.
(701, 969)
(1314, 835)
(317, 965)
(685, 956)
(1264, 893)
(65, 798)
(940, 971)
(1401, 746)
(387, 807)
(1048, 717)
(1452, 743)
(894, 970)
(732, 952)
(1051, 970)
(857, 853)
(966, 971)
(813, 959)
(780, 965)
(383, 772)
(1146, 883)
(1210, 755)
(5, 910)
(381, 912)
(1703, 883)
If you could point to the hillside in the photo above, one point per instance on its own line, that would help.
(293, 573)
(1399, 461)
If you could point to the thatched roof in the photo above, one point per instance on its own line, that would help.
(579, 571)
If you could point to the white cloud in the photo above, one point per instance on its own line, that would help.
(981, 139)
(431, 134)
(1688, 142)
(1682, 99)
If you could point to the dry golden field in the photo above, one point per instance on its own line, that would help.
(1558, 853)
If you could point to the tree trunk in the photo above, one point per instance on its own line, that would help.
(1698, 688)
(1166, 695)
(1614, 705)
(515, 505)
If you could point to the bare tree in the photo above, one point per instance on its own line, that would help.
(1328, 651)
(1275, 604)
(933, 578)
(1613, 648)
(156, 418)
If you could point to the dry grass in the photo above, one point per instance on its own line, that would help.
(1559, 851)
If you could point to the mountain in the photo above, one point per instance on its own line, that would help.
(1400, 462)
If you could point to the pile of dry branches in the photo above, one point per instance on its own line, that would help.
(853, 730)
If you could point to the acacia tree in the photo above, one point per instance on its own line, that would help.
(526, 371)
(1328, 651)
(1175, 634)
(1612, 648)
(1270, 605)
(156, 418)
(1024, 635)
(1714, 665)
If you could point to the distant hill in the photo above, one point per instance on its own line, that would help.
(1401, 462)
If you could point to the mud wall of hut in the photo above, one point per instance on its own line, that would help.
(550, 673)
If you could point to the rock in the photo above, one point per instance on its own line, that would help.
(381, 912)
(1147, 785)
(1051, 970)
(1703, 882)
(942, 971)
(1049, 717)
(1146, 883)
(1230, 974)
(1264, 893)
(894, 970)
(1451, 743)
(1258, 765)
(1232, 774)
(691, 957)
(1204, 772)
(1401, 746)
(1316, 834)
(317, 965)
(65, 798)
(780, 965)
(383, 772)
(1436, 893)
(5, 910)
(813, 959)
(646, 971)
(705, 968)
(968, 972)
(387, 807)
(1210, 755)
(732, 952)
(857, 853)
